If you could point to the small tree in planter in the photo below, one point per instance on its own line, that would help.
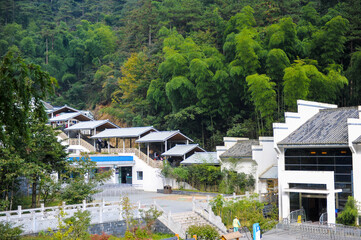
(349, 214)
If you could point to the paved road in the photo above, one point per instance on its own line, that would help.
(169, 202)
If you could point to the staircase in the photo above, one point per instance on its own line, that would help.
(187, 219)
(61, 134)
(86, 143)
(83, 143)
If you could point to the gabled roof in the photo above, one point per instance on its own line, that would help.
(133, 132)
(91, 125)
(47, 106)
(202, 158)
(329, 126)
(64, 108)
(67, 116)
(182, 149)
(241, 149)
(163, 136)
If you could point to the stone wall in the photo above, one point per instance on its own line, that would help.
(117, 228)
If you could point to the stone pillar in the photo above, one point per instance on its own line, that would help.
(285, 205)
(19, 211)
(42, 207)
(33, 222)
(331, 218)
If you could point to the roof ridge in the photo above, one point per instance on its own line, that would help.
(339, 109)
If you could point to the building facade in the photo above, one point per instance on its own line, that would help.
(319, 159)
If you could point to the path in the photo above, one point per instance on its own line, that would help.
(169, 202)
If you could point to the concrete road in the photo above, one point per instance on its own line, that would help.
(169, 202)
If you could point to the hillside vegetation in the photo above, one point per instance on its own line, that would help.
(210, 68)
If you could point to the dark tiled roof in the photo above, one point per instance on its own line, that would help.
(329, 126)
(241, 149)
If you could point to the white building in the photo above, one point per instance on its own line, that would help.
(255, 157)
(319, 159)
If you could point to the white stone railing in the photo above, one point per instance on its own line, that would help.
(81, 142)
(41, 219)
(62, 134)
(205, 210)
(167, 219)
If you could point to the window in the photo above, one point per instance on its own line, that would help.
(139, 175)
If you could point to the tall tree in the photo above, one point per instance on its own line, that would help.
(22, 87)
(262, 91)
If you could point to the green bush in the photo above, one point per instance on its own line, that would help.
(75, 227)
(210, 178)
(248, 211)
(349, 214)
(203, 232)
(8, 232)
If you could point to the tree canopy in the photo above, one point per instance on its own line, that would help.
(205, 67)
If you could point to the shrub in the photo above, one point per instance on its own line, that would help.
(7, 231)
(349, 214)
(204, 232)
(75, 227)
(104, 236)
(249, 211)
(150, 216)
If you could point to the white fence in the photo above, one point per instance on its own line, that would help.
(205, 210)
(41, 219)
(115, 191)
(167, 220)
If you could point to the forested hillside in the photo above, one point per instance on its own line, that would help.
(210, 68)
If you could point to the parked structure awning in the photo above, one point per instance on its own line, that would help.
(133, 132)
(182, 149)
(103, 124)
(68, 116)
(202, 158)
(163, 136)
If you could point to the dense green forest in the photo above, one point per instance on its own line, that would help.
(210, 68)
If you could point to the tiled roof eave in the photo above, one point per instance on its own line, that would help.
(238, 157)
(341, 144)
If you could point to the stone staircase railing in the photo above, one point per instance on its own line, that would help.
(81, 142)
(62, 134)
(204, 209)
(167, 219)
(139, 154)
(76, 141)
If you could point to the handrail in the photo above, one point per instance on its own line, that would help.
(62, 134)
(167, 219)
(323, 218)
(205, 210)
(83, 143)
(312, 231)
(293, 217)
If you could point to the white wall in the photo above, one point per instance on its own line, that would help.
(356, 166)
(311, 177)
(265, 157)
(228, 143)
(152, 179)
(305, 110)
(245, 165)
